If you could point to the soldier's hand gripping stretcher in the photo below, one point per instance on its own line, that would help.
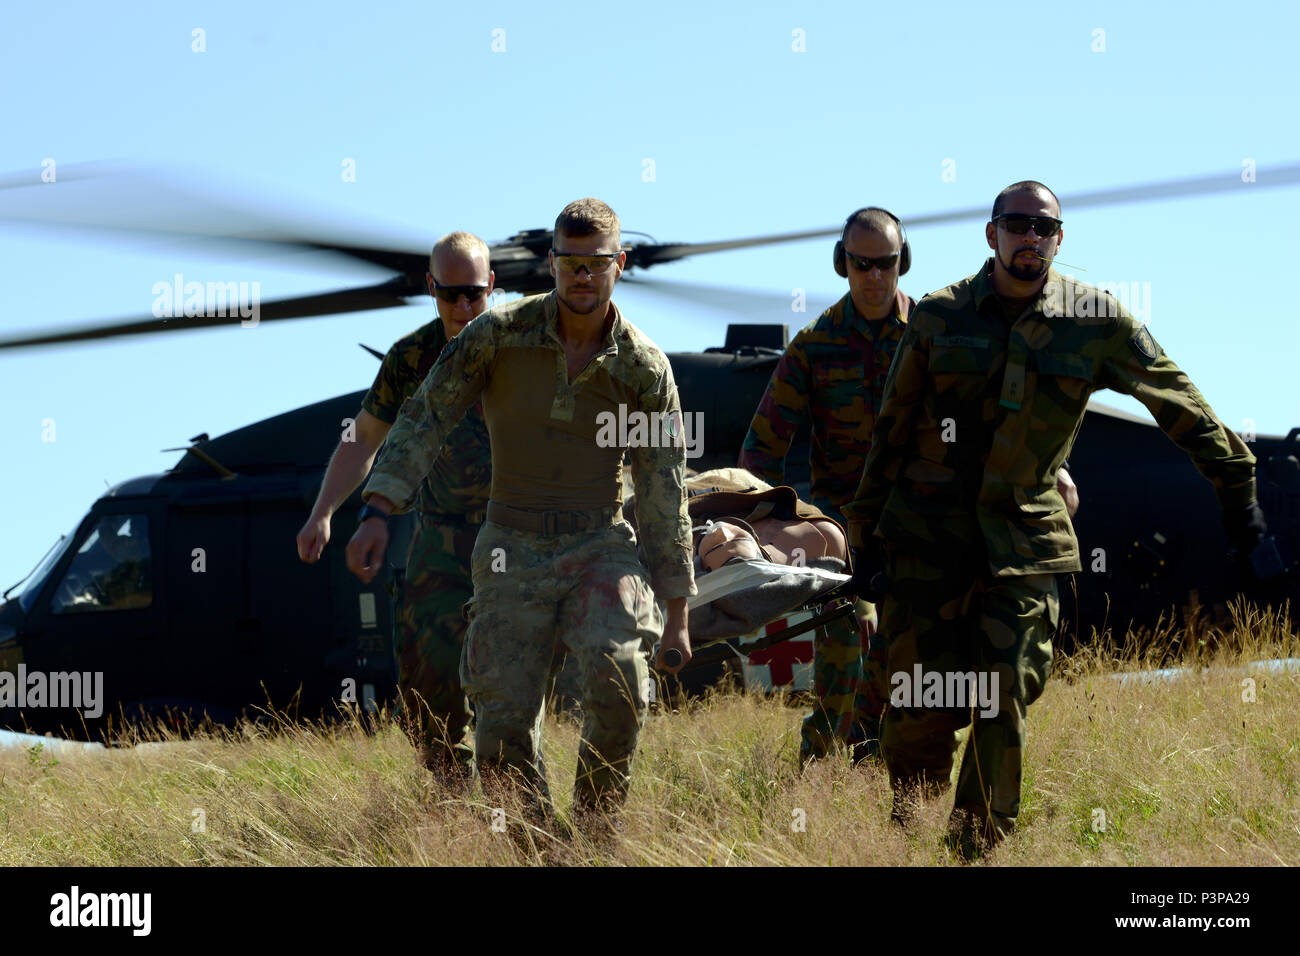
(868, 581)
(673, 652)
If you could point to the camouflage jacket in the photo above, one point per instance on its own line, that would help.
(980, 411)
(834, 370)
(460, 480)
(546, 431)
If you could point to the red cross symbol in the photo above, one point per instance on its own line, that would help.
(781, 658)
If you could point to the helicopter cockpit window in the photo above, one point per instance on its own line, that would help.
(111, 570)
(34, 583)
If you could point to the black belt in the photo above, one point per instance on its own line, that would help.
(553, 522)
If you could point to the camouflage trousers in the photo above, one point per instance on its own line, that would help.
(428, 638)
(535, 596)
(848, 672)
(957, 620)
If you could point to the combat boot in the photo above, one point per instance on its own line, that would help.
(909, 794)
(599, 821)
(449, 769)
(971, 836)
(864, 742)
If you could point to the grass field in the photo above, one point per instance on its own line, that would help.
(1203, 769)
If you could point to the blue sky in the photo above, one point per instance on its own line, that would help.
(747, 134)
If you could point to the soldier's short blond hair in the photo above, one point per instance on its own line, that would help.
(587, 217)
(464, 243)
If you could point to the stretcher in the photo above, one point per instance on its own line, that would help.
(768, 568)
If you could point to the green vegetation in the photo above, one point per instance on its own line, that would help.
(1190, 771)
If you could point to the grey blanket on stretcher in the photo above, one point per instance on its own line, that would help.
(754, 594)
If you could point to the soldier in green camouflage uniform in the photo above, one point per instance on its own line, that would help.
(430, 626)
(987, 393)
(555, 565)
(835, 370)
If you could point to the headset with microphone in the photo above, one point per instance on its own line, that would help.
(904, 254)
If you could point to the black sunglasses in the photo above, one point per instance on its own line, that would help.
(1018, 224)
(864, 263)
(452, 293)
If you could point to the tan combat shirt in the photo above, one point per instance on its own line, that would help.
(553, 445)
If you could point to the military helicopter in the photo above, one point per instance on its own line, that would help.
(174, 585)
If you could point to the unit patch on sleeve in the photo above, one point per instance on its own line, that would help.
(1144, 345)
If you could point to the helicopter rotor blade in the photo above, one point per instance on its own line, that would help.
(153, 207)
(746, 304)
(519, 262)
(648, 255)
(385, 295)
(120, 199)
(652, 255)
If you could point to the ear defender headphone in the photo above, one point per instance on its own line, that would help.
(904, 254)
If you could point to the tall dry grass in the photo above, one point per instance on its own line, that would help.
(1185, 771)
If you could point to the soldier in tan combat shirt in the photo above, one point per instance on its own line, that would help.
(987, 392)
(555, 564)
(834, 372)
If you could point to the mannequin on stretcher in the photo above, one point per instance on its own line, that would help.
(778, 540)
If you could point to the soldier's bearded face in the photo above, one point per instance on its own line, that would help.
(581, 292)
(458, 268)
(872, 290)
(1025, 257)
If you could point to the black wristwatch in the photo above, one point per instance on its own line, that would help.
(369, 511)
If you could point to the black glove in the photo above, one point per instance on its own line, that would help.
(1245, 529)
(869, 581)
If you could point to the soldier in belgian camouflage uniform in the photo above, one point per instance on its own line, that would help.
(555, 565)
(430, 627)
(985, 398)
(835, 370)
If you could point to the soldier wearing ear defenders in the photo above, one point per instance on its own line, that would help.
(835, 371)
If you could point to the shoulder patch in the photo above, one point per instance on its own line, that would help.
(1144, 345)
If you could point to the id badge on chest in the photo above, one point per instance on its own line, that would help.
(1013, 379)
(1013, 383)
